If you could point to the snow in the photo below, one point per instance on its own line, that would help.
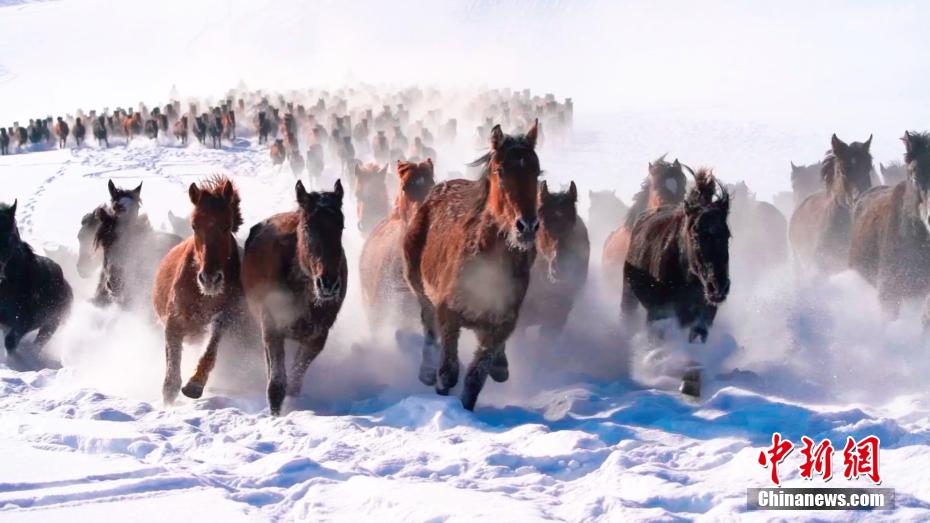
(590, 430)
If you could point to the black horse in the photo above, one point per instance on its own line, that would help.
(678, 263)
(33, 291)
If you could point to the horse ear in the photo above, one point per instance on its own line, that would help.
(497, 137)
(837, 145)
(573, 191)
(676, 165)
(868, 143)
(228, 190)
(111, 187)
(533, 133)
(300, 191)
(337, 188)
(793, 167)
(543, 189)
(194, 192)
(13, 207)
(429, 161)
(137, 191)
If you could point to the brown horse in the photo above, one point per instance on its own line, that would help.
(278, 152)
(294, 272)
(197, 284)
(893, 173)
(371, 196)
(132, 125)
(890, 242)
(381, 267)
(678, 263)
(561, 266)
(467, 256)
(664, 185)
(819, 228)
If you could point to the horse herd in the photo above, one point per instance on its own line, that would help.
(493, 254)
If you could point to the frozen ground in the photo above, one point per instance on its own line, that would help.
(588, 430)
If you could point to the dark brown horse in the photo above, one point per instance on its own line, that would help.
(664, 185)
(561, 266)
(819, 228)
(131, 248)
(890, 243)
(381, 266)
(294, 272)
(678, 263)
(197, 285)
(371, 196)
(467, 255)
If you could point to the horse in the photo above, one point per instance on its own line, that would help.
(180, 130)
(294, 273)
(381, 266)
(200, 129)
(263, 127)
(215, 130)
(468, 252)
(4, 142)
(132, 125)
(61, 131)
(151, 129)
(893, 173)
(179, 225)
(678, 264)
(296, 161)
(561, 267)
(805, 181)
(605, 214)
(890, 238)
(278, 152)
(100, 131)
(229, 125)
(131, 248)
(89, 258)
(760, 233)
(33, 291)
(371, 196)
(79, 132)
(819, 228)
(665, 184)
(197, 284)
(315, 163)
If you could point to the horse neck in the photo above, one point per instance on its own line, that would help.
(685, 249)
(20, 259)
(404, 208)
(841, 190)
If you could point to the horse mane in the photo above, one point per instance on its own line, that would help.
(704, 190)
(828, 168)
(214, 186)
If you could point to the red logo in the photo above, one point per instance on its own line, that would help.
(859, 459)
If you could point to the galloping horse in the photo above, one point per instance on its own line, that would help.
(371, 196)
(561, 266)
(678, 264)
(381, 266)
(467, 255)
(819, 228)
(664, 185)
(197, 284)
(131, 248)
(890, 242)
(33, 291)
(294, 272)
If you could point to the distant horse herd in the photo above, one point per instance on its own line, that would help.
(495, 252)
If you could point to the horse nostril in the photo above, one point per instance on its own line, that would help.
(202, 278)
(535, 225)
(521, 226)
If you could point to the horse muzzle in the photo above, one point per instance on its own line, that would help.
(211, 284)
(327, 290)
(717, 293)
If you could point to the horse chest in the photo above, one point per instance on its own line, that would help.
(491, 286)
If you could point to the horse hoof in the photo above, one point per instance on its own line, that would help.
(276, 393)
(691, 383)
(193, 390)
(427, 376)
(469, 401)
(499, 374)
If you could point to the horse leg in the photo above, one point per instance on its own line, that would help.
(628, 303)
(195, 385)
(448, 328)
(274, 362)
(490, 350)
(47, 330)
(12, 338)
(428, 363)
(174, 338)
(308, 351)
